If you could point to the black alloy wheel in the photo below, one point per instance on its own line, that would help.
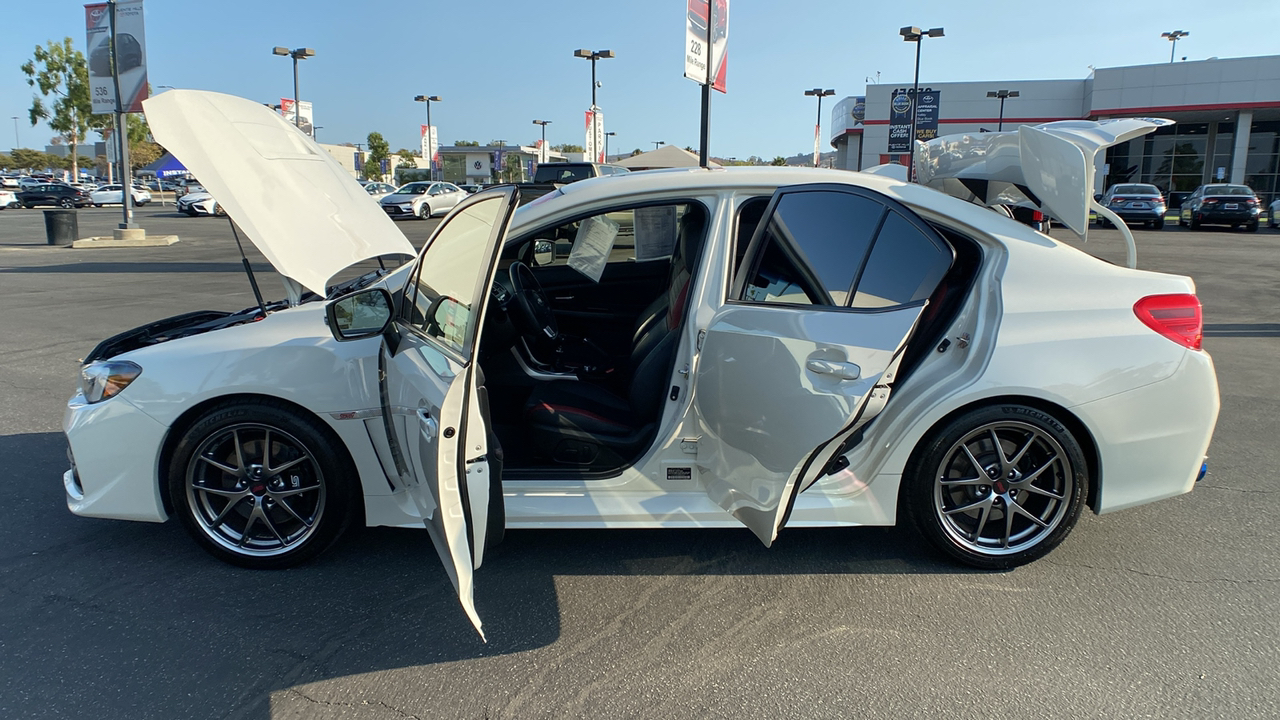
(259, 485)
(997, 487)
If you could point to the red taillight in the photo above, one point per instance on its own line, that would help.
(1037, 216)
(1176, 317)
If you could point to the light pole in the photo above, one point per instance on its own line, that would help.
(593, 57)
(1173, 38)
(542, 149)
(658, 143)
(1003, 95)
(915, 35)
(817, 129)
(297, 54)
(315, 132)
(606, 144)
(431, 161)
(17, 143)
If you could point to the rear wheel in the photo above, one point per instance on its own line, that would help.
(997, 487)
(67, 203)
(1252, 227)
(1195, 224)
(1158, 224)
(258, 485)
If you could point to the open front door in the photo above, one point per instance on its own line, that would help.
(807, 348)
(433, 400)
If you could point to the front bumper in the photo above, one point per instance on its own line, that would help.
(399, 210)
(1139, 215)
(114, 454)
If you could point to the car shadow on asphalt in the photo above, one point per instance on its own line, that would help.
(116, 605)
(1242, 330)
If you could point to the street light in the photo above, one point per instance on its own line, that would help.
(1003, 95)
(915, 35)
(593, 56)
(17, 143)
(428, 99)
(1173, 38)
(817, 129)
(297, 54)
(606, 144)
(315, 132)
(658, 143)
(542, 149)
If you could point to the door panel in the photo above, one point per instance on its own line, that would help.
(430, 384)
(774, 385)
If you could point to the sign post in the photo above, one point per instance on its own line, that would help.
(706, 47)
(116, 45)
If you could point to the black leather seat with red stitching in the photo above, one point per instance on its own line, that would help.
(579, 423)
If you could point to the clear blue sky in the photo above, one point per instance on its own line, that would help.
(500, 64)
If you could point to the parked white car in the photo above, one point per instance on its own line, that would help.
(199, 202)
(378, 190)
(423, 199)
(111, 195)
(8, 199)
(817, 348)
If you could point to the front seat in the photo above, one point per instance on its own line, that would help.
(583, 424)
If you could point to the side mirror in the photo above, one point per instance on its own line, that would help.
(360, 315)
(544, 252)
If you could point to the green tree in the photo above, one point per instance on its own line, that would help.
(60, 71)
(379, 150)
(29, 159)
(406, 157)
(778, 161)
(568, 148)
(636, 152)
(466, 143)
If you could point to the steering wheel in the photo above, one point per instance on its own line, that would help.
(533, 315)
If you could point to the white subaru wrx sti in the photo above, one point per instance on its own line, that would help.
(767, 347)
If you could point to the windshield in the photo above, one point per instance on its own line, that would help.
(413, 189)
(1136, 190)
(562, 173)
(1228, 190)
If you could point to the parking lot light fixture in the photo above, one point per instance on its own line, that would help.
(658, 143)
(915, 35)
(606, 144)
(1173, 38)
(542, 149)
(428, 99)
(1003, 95)
(297, 54)
(817, 129)
(593, 56)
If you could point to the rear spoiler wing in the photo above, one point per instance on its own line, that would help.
(1048, 167)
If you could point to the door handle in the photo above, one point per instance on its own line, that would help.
(427, 425)
(842, 370)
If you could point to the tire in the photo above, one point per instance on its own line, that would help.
(1195, 224)
(424, 212)
(1251, 227)
(97, 204)
(217, 210)
(222, 486)
(1157, 224)
(1049, 483)
(66, 203)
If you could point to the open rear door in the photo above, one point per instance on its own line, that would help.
(433, 400)
(807, 348)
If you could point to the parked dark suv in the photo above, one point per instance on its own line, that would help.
(1233, 205)
(53, 194)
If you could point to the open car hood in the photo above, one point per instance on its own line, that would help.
(1049, 167)
(307, 215)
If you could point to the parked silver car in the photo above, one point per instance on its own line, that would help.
(423, 199)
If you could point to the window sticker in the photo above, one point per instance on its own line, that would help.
(592, 246)
(655, 229)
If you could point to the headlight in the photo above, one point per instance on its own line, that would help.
(102, 380)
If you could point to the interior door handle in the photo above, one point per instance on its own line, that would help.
(427, 425)
(842, 370)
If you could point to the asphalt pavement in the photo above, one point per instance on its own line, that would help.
(1171, 610)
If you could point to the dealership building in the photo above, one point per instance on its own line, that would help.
(1226, 113)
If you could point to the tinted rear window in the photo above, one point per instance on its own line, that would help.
(1136, 190)
(562, 173)
(1228, 190)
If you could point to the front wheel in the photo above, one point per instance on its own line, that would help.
(261, 486)
(424, 212)
(997, 487)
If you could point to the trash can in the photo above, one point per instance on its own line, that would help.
(61, 226)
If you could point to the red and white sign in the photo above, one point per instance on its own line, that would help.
(130, 56)
(430, 146)
(305, 122)
(595, 135)
(706, 41)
